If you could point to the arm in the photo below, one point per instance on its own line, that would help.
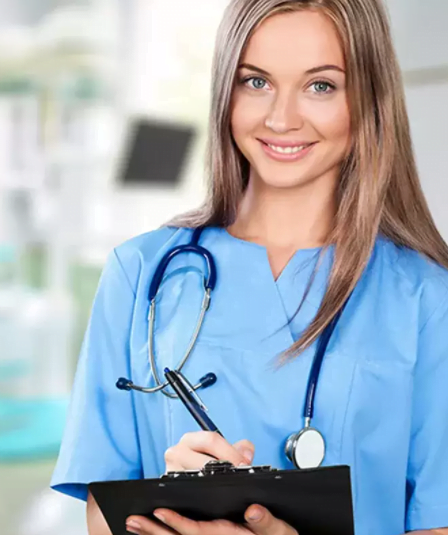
(427, 475)
(100, 441)
(443, 531)
(96, 525)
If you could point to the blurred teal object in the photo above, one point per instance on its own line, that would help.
(31, 429)
(35, 334)
(8, 256)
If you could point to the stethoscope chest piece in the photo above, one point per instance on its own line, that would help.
(306, 449)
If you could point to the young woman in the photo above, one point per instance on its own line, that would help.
(315, 208)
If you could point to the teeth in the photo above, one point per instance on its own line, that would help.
(287, 150)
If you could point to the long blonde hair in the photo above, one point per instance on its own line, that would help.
(379, 190)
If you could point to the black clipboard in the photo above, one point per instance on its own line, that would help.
(315, 501)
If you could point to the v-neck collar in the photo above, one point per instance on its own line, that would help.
(299, 256)
(269, 305)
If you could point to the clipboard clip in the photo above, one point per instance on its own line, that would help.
(219, 468)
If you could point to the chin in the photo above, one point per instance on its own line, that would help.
(281, 180)
(283, 184)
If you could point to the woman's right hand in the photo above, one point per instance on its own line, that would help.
(196, 449)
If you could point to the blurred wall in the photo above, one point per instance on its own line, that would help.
(166, 75)
(421, 34)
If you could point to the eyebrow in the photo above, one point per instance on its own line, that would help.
(314, 70)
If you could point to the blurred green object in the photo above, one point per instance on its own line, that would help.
(17, 85)
(33, 266)
(31, 428)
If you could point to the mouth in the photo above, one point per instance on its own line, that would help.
(287, 151)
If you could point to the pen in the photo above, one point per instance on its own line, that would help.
(190, 401)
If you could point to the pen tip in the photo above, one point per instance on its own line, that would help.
(166, 370)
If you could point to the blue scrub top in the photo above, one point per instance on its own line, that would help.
(382, 397)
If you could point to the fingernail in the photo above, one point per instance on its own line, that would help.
(255, 515)
(132, 524)
(160, 517)
(248, 455)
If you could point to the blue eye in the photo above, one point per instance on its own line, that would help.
(322, 87)
(257, 83)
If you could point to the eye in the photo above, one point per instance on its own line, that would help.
(254, 82)
(322, 87)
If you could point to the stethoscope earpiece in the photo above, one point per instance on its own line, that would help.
(207, 380)
(124, 384)
(204, 382)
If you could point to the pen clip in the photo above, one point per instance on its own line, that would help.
(190, 389)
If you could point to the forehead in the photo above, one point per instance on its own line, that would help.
(298, 41)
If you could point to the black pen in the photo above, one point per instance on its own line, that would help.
(189, 400)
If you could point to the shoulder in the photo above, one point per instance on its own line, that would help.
(143, 250)
(424, 278)
(412, 266)
(147, 244)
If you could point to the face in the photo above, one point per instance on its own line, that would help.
(290, 115)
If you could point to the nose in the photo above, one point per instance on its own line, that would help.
(284, 114)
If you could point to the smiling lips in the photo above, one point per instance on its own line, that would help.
(286, 151)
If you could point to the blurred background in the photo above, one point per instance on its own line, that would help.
(93, 95)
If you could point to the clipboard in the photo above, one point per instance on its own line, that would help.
(315, 501)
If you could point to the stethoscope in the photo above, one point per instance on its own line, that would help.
(305, 449)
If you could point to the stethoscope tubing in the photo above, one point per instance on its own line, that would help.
(163, 385)
(322, 344)
(209, 285)
(192, 247)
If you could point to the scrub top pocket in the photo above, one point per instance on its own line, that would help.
(378, 420)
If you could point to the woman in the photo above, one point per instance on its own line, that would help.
(315, 205)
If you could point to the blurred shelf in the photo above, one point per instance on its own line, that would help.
(43, 67)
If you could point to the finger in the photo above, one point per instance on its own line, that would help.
(185, 526)
(246, 448)
(261, 522)
(143, 526)
(213, 444)
(178, 523)
(180, 457)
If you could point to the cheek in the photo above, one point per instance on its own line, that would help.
(247, 115)
(332, 121)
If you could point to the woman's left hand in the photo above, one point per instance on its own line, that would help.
(259, 521)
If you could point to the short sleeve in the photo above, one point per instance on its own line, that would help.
(427, 481)
(100, 439)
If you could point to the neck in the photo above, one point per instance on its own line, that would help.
(286, 218)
